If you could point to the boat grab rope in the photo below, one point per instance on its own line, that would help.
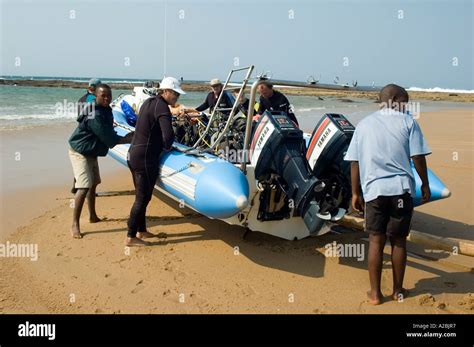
(187, 166)
(245, 221)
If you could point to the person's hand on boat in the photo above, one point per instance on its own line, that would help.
(127, 138)
(191, 112)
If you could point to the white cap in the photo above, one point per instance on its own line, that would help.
(215, 82)
(171, 83)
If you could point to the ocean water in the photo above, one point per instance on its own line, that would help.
(440, 90)
(26, 107)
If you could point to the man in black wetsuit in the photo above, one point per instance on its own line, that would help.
(211, 98)
(244, 103)
(273, 100)
(153, 135)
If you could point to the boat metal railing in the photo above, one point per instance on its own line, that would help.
(282, 83)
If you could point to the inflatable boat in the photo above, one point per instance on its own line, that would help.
(277, 180)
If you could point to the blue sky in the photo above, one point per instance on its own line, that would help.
(413, 43)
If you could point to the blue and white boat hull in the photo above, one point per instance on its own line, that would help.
(218, 189)
(204, 182)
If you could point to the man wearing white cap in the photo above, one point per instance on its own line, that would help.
(153, 135)
(211, 98)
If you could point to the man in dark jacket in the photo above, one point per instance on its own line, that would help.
(211, 98)
(244, 103)
(88, 97)
(273, 100)
(92, 138)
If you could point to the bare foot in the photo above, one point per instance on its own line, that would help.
(94, 219)
(135, 242)
(145, 235)
(400, 294)
(75, 232)
(374, 299)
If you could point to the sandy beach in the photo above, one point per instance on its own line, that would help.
(198, 265)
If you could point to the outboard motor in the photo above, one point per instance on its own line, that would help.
(288, 187)
(327, 147)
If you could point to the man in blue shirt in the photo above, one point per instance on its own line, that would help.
(380, 152)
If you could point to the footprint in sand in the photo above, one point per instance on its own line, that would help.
(199, 301)
(467, 302)
(249, 291)
(180, 275)
(177, 274)
(450, 284)
(169, 266)
(426, 300)
(138, 287)
(120, 261)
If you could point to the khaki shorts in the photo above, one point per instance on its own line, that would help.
(86, 170)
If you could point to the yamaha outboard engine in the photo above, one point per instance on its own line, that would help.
(288, 187)
(327, 147)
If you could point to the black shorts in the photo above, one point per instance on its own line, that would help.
(389, 215)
